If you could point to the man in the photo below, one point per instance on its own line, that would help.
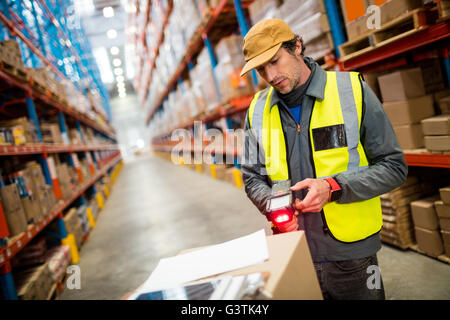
(326, 132)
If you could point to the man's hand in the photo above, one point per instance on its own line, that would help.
(316, 198)
(291, 226)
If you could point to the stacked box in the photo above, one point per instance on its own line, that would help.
(436, 132)
(74, 226)
(202, 73)
(443, 212)
(39, 187)
(58, 260)
(426, 226)
(51, 133)
(65, 180)
(433, 79)
(444, 105)
(263, 9)
(406, 104)
(230, 63)
(82, 215)
(28, 195)
(398, 228)
(12, 208)
(10, 53)
(34, 283)
(309, 20)
(22, 130)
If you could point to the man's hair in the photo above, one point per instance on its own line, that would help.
(291, 45)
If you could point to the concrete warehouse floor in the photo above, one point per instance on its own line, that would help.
(156, 209)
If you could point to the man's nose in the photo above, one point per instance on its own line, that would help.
(270, 74)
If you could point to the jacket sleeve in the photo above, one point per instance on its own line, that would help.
(253, 171)
(387, 166)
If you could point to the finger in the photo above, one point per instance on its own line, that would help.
(301, 185)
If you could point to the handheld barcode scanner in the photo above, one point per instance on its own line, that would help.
(279, 207)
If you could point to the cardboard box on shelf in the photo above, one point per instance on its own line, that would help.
(32, 209)
(444, 105)
(51, 133)
(23, 130)
(401, 85)
(446, 240)
(437, 143)
(74, 225)
(438, 125)
(424, 213)
(429, 241)
(12, 207)
(409, 111)
(432, 75)
(288, 253)
(34, 283)
(442, 209)
(444, 224)
(409, 136)
(445, 194)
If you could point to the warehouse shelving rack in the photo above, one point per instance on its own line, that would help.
(418, 46)
(47, 40)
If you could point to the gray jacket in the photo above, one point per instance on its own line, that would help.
(387, 167)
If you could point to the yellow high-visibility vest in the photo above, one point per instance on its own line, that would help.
(334, 131)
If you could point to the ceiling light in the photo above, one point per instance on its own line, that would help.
(114, 50)
(120, 78)
(108, 12)
(118, 71)
(111, 34)
(117, 62)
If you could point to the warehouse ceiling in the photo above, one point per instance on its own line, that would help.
(104, 22)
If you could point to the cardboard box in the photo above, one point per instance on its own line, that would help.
(437, 143)
(446, 240)
(409, 111)
(442, 209)
(292, 273)
(424, 214)
(34, 283)
(409, 136)
(445, 194)
(429, 241)
(444, 105)
(51, 133)
(31, 208)
(438, 125)
(10, 198)
(12, 207)
(401, 85)
(444, 224)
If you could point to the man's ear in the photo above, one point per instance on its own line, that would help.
(299, 48)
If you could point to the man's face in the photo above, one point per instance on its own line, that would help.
(282, 71)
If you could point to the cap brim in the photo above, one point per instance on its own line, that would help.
(260, 59)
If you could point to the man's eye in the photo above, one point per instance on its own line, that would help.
(274, 61)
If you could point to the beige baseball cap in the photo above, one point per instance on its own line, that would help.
(263, 41)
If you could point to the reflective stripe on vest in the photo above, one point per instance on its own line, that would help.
(336, 148)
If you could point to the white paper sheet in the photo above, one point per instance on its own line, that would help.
(227, 256)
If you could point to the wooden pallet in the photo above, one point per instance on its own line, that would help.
(14, 71)
(403, 26)
(441, 257)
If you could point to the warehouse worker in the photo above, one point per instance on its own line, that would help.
(326, 132)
